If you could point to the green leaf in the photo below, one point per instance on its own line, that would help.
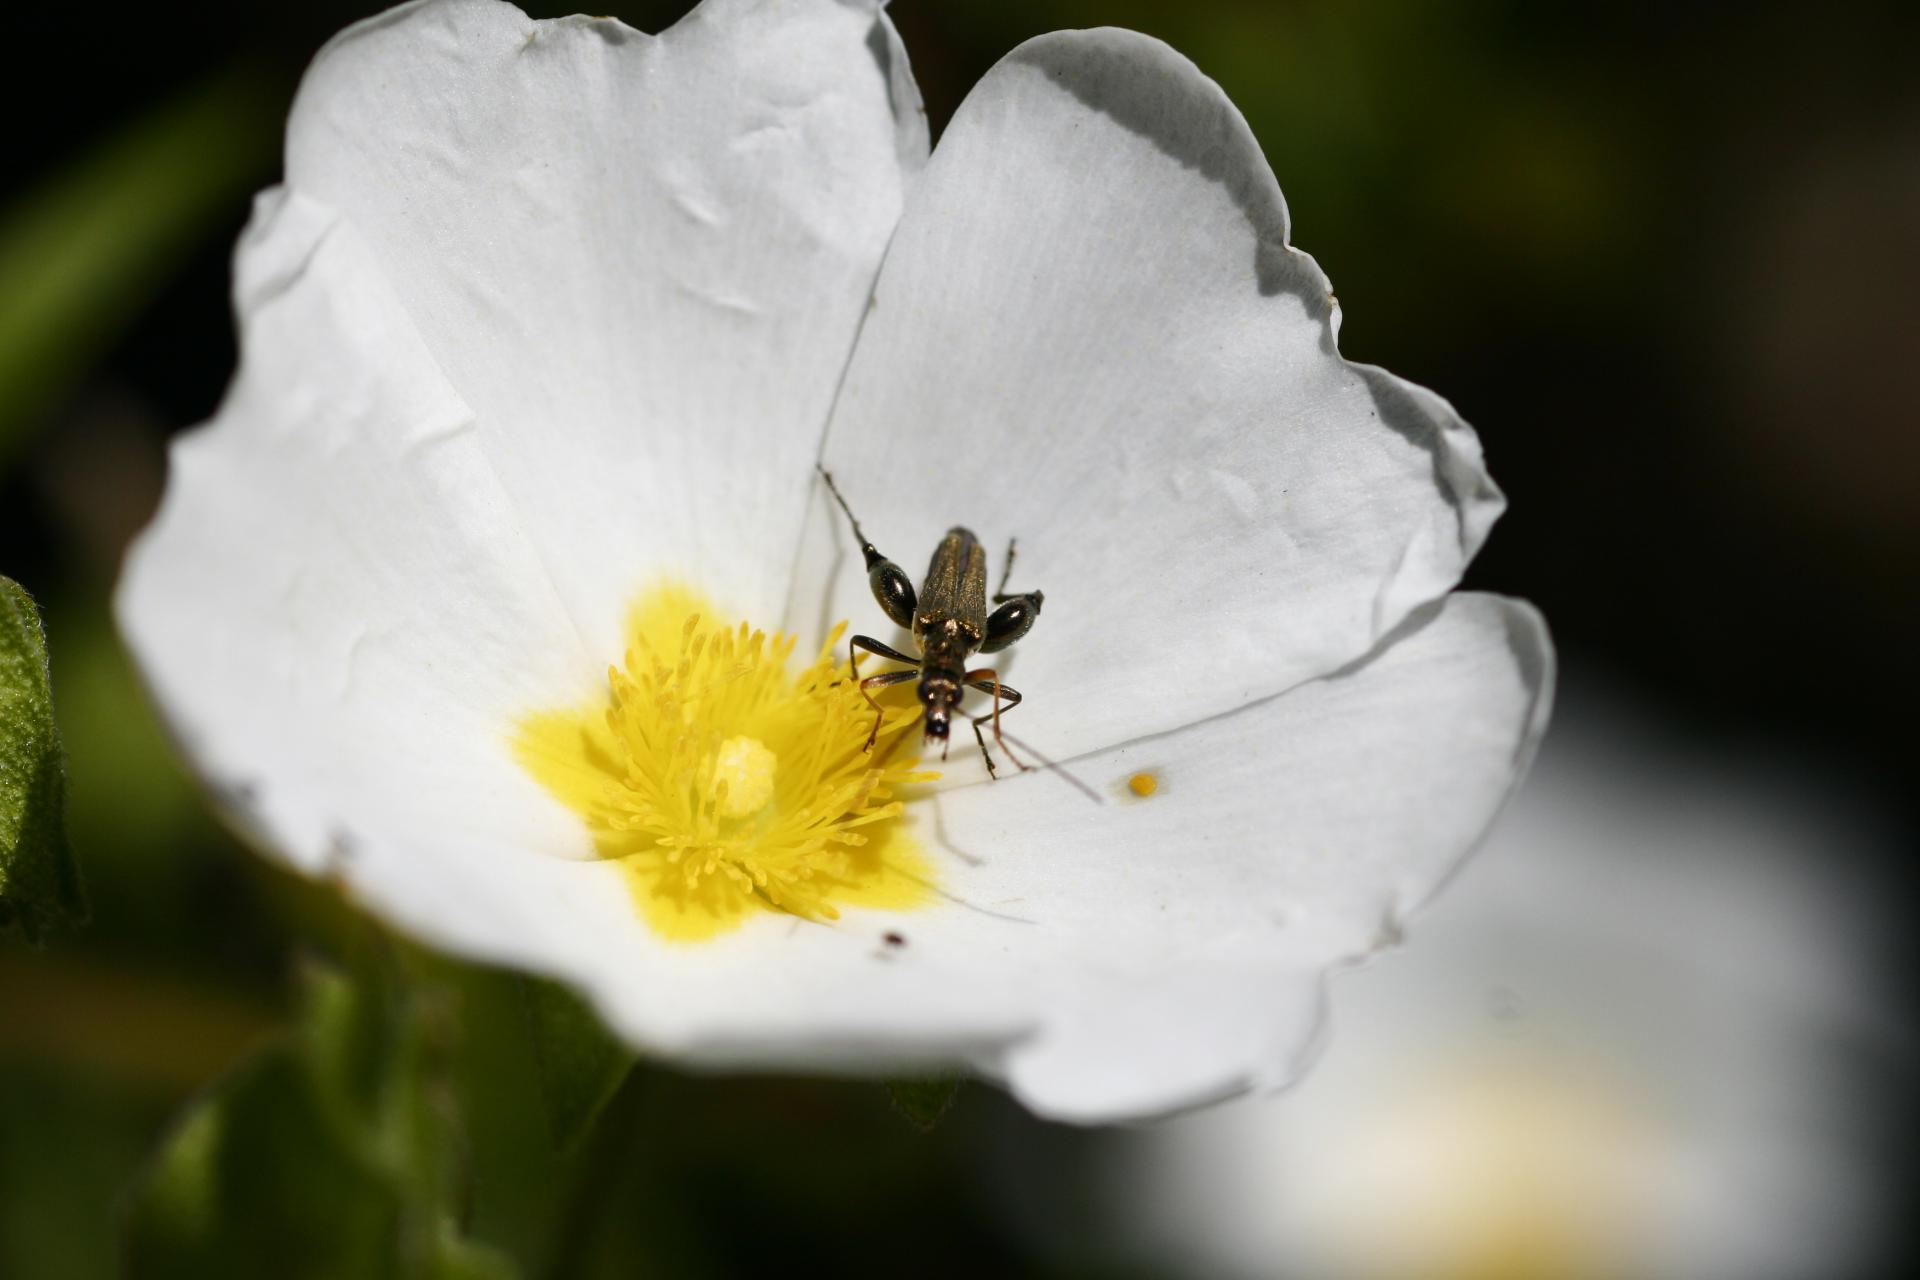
(579, 1062)
(458, 1259)
(93, 241)
(39, 883)
(257, 1181)
(923, 1102)
(329, 1154)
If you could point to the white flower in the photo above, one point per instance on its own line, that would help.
(540, 341)
(1628, 1044)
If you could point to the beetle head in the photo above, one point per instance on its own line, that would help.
(940, 694)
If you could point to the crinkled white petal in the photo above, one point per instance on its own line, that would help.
(338, 608)
(1138, 956)
(1281, 838)
(639, 260)
(1634, 1040)
(1090, 333)
(341, 616)
(494, 380)
(488, 393)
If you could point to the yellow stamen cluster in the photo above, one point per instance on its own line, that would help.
(726, 785)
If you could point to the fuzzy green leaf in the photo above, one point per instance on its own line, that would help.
(326, 1155)
(39, 884)
(923, 1102)
(579, 1062)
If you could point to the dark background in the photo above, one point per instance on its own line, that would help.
(1664, 258)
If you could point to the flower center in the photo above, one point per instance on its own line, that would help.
(743, 776)
(728, 785)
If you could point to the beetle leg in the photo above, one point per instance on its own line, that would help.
(873, 646)
(1000, 592)
(881, 681)
(979, 738)
(1013, 619)
(1017, 612)
(987, 680)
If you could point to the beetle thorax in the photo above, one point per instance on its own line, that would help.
(945, 642)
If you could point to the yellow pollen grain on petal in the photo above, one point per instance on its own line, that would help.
(727, 783)
(1143, 784)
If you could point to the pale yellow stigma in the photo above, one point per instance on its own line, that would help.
(743, 776)
(727, 785)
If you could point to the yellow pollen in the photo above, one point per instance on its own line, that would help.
(728, 785)
(743, 775)
(1143, 784)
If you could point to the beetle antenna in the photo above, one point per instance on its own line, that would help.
(834, 489)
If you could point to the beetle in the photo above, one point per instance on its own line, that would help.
(949, 620)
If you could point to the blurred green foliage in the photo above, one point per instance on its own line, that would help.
(39, 884)
(923, 1102)
(333, 1153)
(580, 1063)
(82, 253)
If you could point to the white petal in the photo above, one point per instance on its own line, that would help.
(1282, 839)
(639, 260)
(1133, 958)
(1672, 1080)
(355, 587)
(1090, 332)
(337, 607)
(342, 618)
